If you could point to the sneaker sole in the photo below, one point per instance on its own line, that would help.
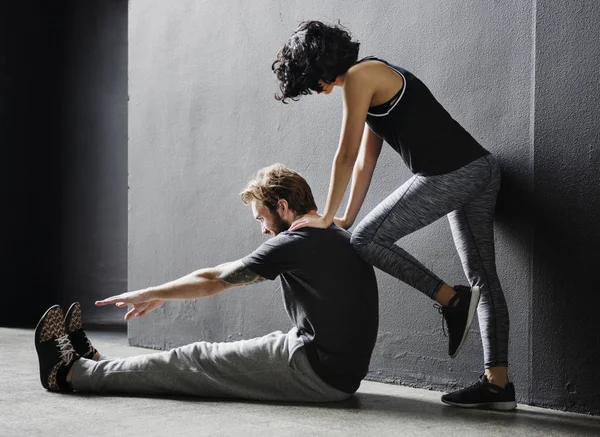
(500, 406)
(68, 316)
(475, 295)
(38, 329)
(39, 325)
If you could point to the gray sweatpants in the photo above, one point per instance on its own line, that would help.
(269, 368)
(468, 197)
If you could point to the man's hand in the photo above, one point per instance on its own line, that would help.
(311, 221)
(140, 299)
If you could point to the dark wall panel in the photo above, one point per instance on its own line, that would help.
(564, 323)
(30, 177)
(63, 139)
(94, 125)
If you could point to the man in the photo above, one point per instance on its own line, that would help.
(330, 295)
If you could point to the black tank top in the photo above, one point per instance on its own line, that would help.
(418, 127)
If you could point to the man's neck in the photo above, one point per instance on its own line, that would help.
(311, 213)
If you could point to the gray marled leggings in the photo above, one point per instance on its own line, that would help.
(468, 196)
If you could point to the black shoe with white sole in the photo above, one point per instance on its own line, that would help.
(55, 352)
(483, 394)
(459, 315)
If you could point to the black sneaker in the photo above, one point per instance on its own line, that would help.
(482, 394)
(73, 324)
(55, 352)
(459, 316)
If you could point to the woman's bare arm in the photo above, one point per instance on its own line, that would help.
(358, 92)
(364, 167)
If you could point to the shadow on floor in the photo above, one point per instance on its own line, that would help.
(398, 407)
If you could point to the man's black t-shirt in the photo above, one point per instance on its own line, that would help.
(331, 296)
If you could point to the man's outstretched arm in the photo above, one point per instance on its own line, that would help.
(201, 283)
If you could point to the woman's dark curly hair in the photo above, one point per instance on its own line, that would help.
(314, 52)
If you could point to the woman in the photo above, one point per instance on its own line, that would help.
(453, 176)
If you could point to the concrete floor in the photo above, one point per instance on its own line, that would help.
(26, 409)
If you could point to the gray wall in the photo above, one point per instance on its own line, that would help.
(566, 155)
(202, 120)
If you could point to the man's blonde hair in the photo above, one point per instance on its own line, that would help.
(279, 182)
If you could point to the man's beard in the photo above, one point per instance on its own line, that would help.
(279, 224)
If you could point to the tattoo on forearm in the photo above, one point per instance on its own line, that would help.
(236, 273)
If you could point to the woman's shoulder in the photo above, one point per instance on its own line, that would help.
(366, 64)
(372, 63)
(370, 67)
(369, 58)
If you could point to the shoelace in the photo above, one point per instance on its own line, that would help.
(67, 353)
(440, 309)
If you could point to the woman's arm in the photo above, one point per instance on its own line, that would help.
(361, 176)
(357, 98)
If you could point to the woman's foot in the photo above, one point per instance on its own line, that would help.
(458, 314)
(444, 295)
(483, 394)
(497, 375)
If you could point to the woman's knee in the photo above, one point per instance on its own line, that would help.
(360, 241)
